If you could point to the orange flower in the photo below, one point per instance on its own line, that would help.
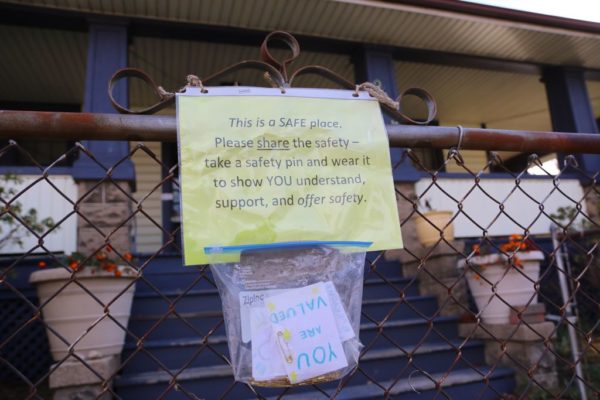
(515, 237)
(110, 267)
(42, 264)
(517, 262)
(101, 256)
(128, 256)
(118, 273)
(73, 265)
(515, 244)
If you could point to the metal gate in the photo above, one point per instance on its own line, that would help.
(426, 334)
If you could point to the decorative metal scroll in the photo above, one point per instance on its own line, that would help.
(277, 73)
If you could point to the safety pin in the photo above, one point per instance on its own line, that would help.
(289, 357)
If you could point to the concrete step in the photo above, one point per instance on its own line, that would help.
(156, 305)
(408, 332)
(390, 363)
(391, 269)
(198, 324)
(168, 273)
(379, 365)
(174, 352)
(459, 384)
(152, 302)
(396, 308)
(176, 325)
(377, 288)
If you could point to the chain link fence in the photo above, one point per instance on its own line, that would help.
(426, 312)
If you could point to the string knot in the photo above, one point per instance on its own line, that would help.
(378, 93)
(163, 93)
(194, 81)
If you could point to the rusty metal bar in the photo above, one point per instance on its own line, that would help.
(442, 137)
(85, 126)
(80, 126)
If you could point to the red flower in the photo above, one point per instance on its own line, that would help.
(42, 264)
(73, 265)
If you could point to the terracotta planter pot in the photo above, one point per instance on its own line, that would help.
(73, 311)
(427, 234)
(514, 285)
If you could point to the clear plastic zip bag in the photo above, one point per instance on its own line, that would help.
(292, 314)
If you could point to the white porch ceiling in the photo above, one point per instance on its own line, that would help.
(367, 22)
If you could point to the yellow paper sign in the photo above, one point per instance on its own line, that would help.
(259, 167)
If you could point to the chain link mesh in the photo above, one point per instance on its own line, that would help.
(424, 336)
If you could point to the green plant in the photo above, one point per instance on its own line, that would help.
(590, 365)
(566, 218)
(581, 239)
(15, 222)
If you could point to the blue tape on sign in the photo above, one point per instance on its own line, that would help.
(235, 249)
